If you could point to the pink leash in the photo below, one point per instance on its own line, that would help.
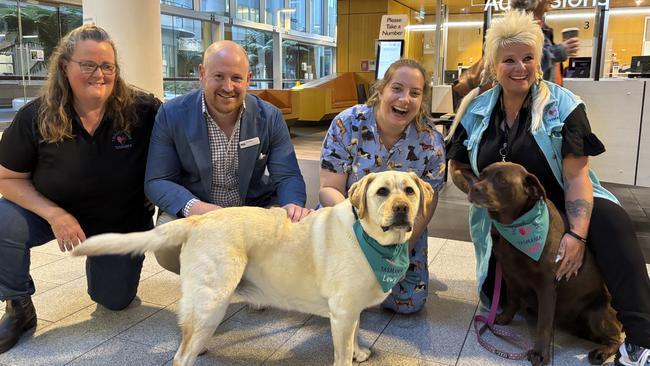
(499, 331)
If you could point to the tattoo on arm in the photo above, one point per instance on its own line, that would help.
(579, 208)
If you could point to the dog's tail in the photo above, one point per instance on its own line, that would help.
(170, 234)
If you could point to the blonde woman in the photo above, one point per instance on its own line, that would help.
(544, 127)
(71, 166)
(391, 131)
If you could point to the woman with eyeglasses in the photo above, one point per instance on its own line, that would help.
(72, 166)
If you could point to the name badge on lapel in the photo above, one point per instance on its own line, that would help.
(250, 142)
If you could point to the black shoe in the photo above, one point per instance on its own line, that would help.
(19, 317)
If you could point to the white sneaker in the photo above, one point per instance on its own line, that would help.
(632, 355)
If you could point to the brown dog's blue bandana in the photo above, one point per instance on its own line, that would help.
(389, 262)
(528, 233)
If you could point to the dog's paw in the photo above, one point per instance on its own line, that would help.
(537, 359)
(599, 355)
(361, 353)
(503, 319)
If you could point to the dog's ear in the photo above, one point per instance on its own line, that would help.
(534, 188)
(469, 176)
(357, 194)
(426, 194)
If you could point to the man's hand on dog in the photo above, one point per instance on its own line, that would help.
(200, 207)
(571, 254)
(295, 212)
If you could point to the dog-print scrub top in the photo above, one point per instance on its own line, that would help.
(352, 146)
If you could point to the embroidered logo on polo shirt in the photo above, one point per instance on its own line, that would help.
(122, 140)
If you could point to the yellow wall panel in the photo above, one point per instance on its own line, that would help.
(343, 7)
(367, 7)
(363, 30)
(342, 43)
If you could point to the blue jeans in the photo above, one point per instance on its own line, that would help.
(410, 294)
(112, 279)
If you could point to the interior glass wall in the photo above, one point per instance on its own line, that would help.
(317, 17)
(305, 62)
(272, 7)
(298, 16)
(182, 49)
(259, 47)
(248, 10)
(24, 57)
(220, 7)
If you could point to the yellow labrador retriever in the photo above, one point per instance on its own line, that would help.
(259, 256)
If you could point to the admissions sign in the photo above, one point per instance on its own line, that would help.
(557, 4)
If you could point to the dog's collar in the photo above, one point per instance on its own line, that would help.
(528, 232)
(388, 262)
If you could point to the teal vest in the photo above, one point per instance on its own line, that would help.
(549, 138)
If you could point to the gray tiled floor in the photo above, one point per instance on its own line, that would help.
(73, 330)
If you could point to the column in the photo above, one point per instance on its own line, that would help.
(135, 29)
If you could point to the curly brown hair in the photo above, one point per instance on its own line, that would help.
(422, 117)
(54, 120)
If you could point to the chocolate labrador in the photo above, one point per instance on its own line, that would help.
(580, 304)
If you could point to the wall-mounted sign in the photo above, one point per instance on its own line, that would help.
(37, 55)
(393, 26)
(557, 4)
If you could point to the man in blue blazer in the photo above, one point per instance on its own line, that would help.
(211, 147)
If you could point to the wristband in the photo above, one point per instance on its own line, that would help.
(583, 240)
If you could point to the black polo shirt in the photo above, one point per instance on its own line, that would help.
(99, 179)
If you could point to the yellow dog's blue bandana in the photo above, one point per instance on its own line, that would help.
(528, 233)
(389, 262)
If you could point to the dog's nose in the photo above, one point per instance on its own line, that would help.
(400, 208)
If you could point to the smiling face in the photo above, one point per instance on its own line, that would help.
(400, 99)
(225, 77)
(516, 68)
(95, 87)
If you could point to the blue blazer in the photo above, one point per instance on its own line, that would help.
(179, 166)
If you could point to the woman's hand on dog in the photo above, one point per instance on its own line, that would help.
(571, 254)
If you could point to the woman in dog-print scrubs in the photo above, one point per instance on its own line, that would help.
(390, 132)
(544, 127)
(71, 166)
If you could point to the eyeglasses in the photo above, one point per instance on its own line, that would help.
(89, 67)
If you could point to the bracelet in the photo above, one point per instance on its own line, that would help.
(583, 240)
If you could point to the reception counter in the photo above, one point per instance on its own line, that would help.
(618, 110)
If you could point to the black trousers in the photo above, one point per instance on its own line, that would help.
(614, 244)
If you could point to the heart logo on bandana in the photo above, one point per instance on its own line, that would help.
(524, 230)
(535, 248)
(121, 139)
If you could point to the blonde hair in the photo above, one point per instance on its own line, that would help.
(422, 117)
(54, 120)
(516, 27)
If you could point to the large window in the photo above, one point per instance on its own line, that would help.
(304, 62)
(182, 49)
(248, 10)
(298, 16)
(272, 8)
(186, 4)
(24, 60)
(259, 47)
(317, 17)
(331, 18)
(219, 7)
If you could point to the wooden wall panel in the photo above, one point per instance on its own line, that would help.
(367, 7)
(363, 30)
(342, 42)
